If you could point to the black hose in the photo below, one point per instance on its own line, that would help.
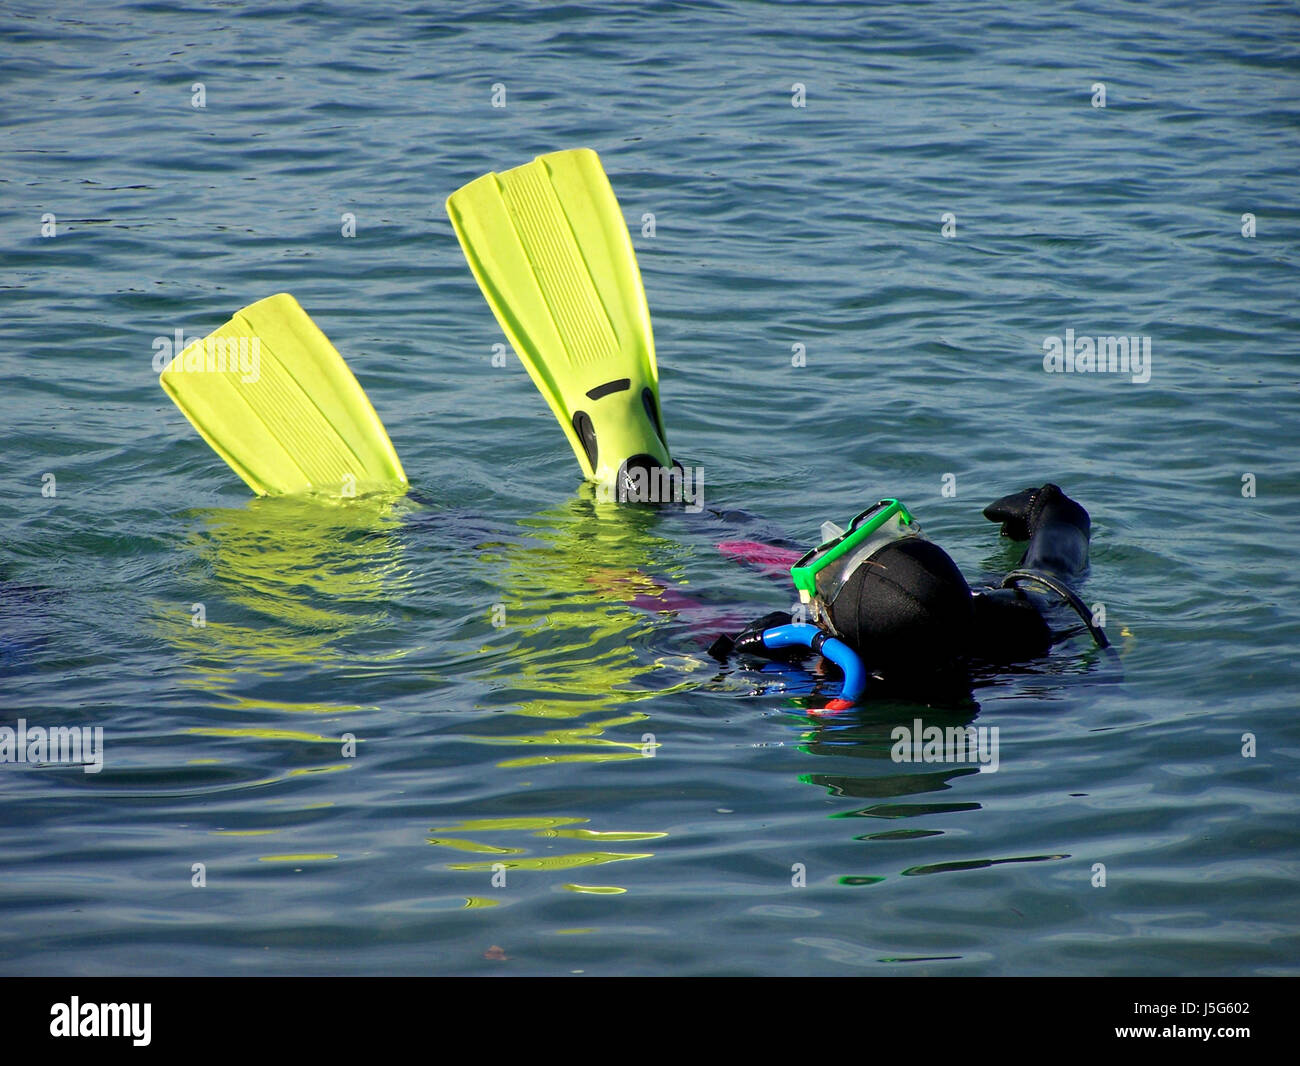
(1066, 593)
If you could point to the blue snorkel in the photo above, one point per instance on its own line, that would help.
(801, 634)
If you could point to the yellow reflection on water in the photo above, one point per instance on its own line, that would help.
(582, 596)
(262, 734)
(294, 576)
(546, 828)
(303, 771)
(572, 641)
(305, 857)
(594, 834)
(491, 824)
(282, 585)
(547, 760)
(554, 862)
(575, 736)
(244, 703)
(471, 845)
(243, 832)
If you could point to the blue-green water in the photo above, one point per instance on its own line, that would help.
(522, 743)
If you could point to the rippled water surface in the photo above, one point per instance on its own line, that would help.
(524, 743)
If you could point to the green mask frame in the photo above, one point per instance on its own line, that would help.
(886, 520)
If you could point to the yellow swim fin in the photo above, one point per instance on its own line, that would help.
(551, 252)
(276, 401)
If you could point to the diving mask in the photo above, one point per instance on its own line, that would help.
(821, 573)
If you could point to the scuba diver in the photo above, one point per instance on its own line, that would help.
(888, 605)
(551, 252)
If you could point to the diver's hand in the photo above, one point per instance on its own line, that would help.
(750, 641)
(1023, 513)
(1013, 512)
(1056, 526)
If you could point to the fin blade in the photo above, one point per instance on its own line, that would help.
(290, 420)
(584, 192)
(500, 264)
(548, 246)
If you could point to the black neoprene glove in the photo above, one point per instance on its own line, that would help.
(750, 640)
(1056, 527)
(1022, 512)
